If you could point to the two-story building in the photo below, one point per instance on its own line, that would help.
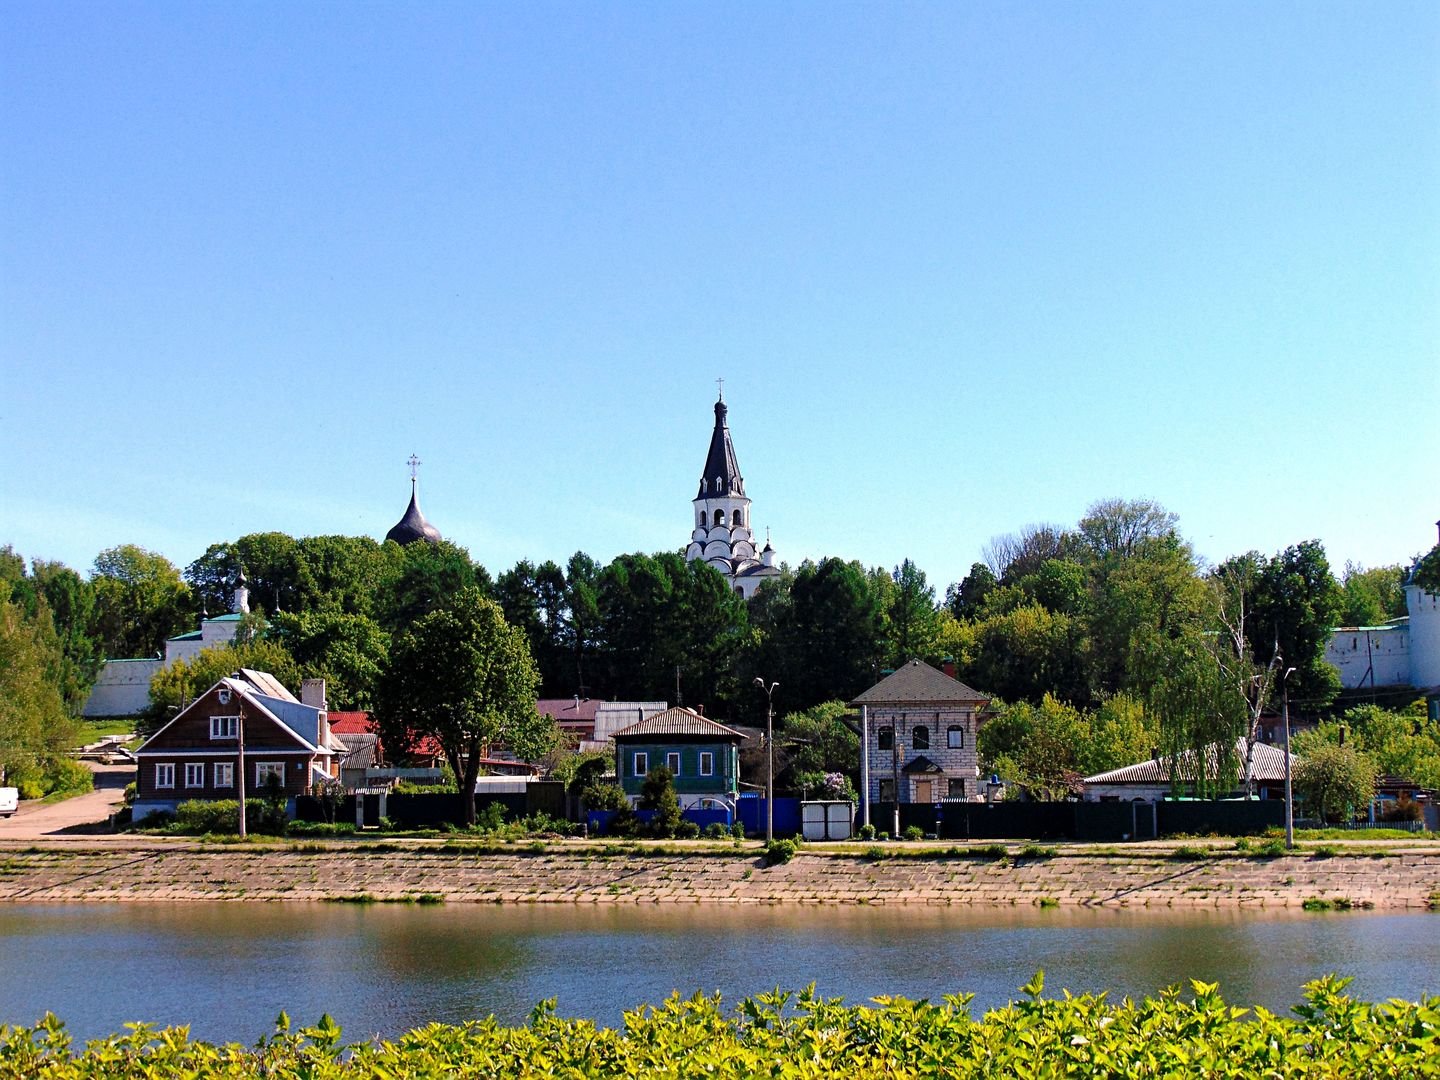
(287, 743)
(918, 737)
(702, 755)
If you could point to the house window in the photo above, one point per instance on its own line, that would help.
(735, 519)
(165, 775)
(224, 774)
(887, 790)
(224, 727)
(719, 517)
(707, 763)
(642, 763)
(264, 770)
(194, 774)
(886, 735)
(921, 736)
(672, 762)
(955, 737)
(957, 788)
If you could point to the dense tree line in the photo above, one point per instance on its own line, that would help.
(1116, 607)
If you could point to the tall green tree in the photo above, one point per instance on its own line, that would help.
(70, 601)
(422, 577)
(833, 643)
(912, 620)
(464, 676)
(1297, 602)
(662, 620)
(581, 631)
(347, 651)
(35, 727)
(1371, 597)
(140, 600)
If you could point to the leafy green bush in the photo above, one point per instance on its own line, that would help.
(780, 851)
(867, 831)
(1194, 1033)
(199, 816)
(914, 832)
(716, 831)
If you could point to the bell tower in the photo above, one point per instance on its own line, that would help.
(721, 531)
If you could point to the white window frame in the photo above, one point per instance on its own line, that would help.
(229, 730)
(194, 774)
(707, 763)
(224, 774)
(672, 756)
(165, 775)
(266, 768)
(640, 763)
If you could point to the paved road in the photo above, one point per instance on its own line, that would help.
(81, 817)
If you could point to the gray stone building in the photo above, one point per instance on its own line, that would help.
(918, 737)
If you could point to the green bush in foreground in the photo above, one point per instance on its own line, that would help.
(786, 1035)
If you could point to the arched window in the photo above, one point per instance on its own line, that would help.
(921, 737)
(735, 519)
(702, 519)
(955, 737)
(719, 517)
(886, 735)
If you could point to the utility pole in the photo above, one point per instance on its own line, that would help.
(1289, 794)
(769, 757)
(240, 776)
(896, 750)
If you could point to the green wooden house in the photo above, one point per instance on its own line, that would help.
(702, 755)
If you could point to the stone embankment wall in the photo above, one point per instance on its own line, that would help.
(573, 875)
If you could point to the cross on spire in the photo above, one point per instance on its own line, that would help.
(720, 383)
(414, 464)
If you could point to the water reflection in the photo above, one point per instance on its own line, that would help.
(229, 969)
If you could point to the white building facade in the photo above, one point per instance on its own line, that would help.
(1403, 652)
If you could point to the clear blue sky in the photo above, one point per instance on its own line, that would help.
(962, 266)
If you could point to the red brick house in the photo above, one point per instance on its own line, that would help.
(196, 755)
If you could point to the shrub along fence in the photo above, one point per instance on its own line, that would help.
(433, 810)
(1093, 821)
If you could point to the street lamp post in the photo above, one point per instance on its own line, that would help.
(769, 756)
(1289, 796)
(240, 752)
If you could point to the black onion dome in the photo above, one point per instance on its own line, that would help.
(413, 526)
(720, 461)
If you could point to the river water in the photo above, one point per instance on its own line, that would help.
(228, 969)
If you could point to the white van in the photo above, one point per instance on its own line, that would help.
(9, 801)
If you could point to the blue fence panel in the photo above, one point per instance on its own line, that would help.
(787, 816)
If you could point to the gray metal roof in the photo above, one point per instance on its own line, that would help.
(720, 462)
(413, 526)
(1268, 763)
(918, 683)
(678, 721)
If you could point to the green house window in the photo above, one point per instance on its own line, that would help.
(642, 763)
(672, 762)
(707, 763)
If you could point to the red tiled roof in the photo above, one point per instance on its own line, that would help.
(351, 723)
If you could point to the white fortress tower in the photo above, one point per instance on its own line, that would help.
(723, 535)
(1424, 612)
